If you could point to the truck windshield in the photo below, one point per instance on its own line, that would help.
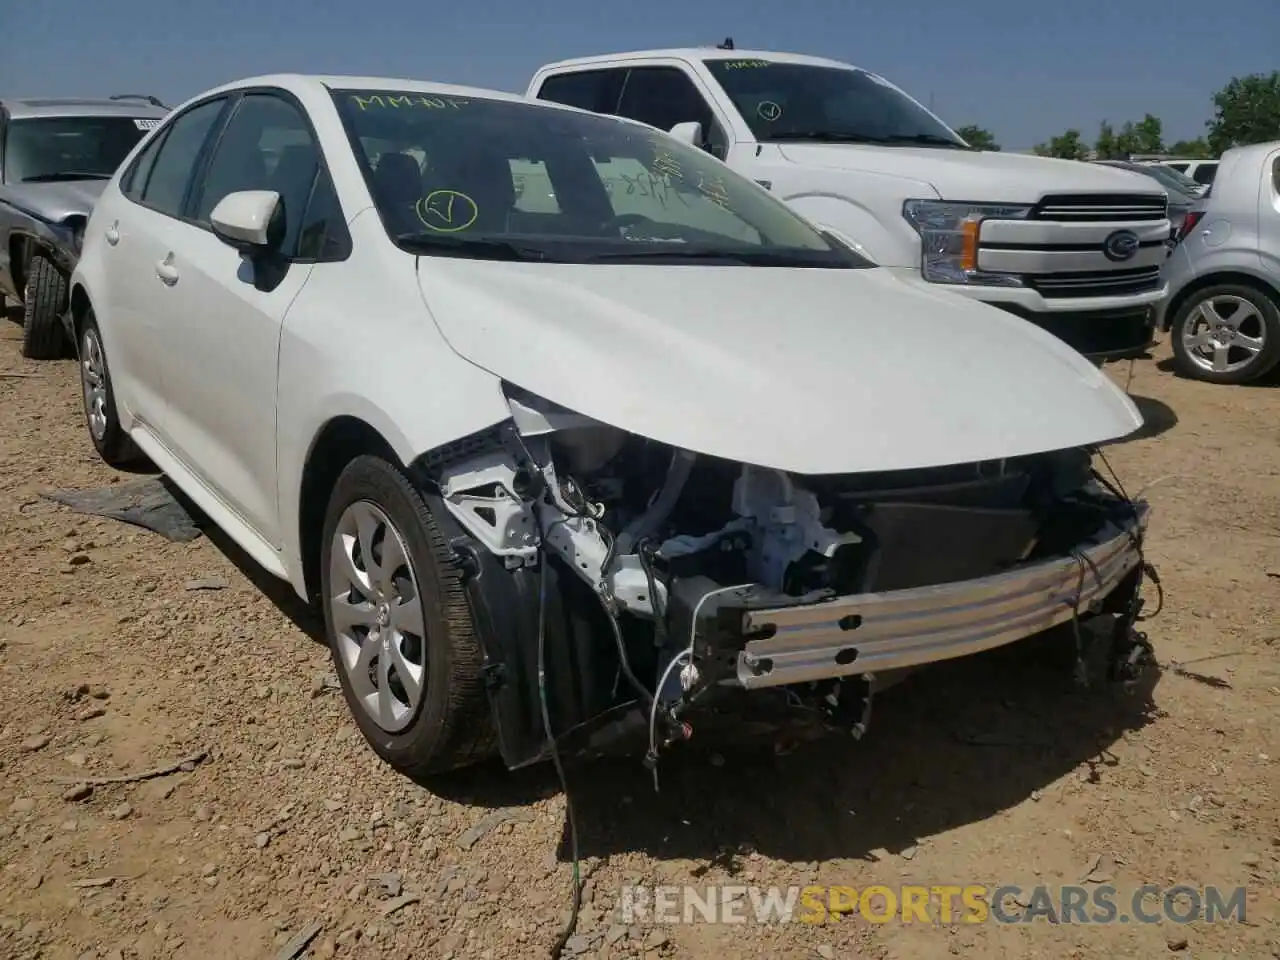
(69, 148)
(498, 179)
(799, 101)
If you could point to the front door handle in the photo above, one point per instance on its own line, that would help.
(166, 271)
(113, 233)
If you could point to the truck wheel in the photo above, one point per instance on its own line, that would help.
(1227, 334)
(109, 439)
(45, 296)
(399, 625)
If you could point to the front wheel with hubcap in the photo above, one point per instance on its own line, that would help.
(1227, 334)
(399, 626)
(108, 436)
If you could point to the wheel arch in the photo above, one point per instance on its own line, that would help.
(1179, 300)
(339, 441)
(20, 245)
(80, 307)
(25, 244)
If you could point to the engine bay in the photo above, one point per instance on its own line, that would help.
(647, 562)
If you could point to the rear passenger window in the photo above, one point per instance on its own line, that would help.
(594, 90)
(132, 183)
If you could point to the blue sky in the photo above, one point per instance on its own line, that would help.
(1025, 69)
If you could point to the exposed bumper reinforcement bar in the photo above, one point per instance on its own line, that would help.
(874, 632)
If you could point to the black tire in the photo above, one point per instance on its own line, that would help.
(1260, 365)
(111, 442)
(453, 725)
(43, 336)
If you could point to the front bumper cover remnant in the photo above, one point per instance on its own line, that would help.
(875, 632)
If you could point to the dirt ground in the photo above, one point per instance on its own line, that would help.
(992, 770)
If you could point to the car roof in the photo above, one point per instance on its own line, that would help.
(25, 107)
(699, 53)
(324, 83)
(1250, 153)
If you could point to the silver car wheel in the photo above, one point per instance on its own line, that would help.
(93, 378)
(376, 613)
(1223, 334)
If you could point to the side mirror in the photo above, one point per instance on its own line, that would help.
(690, 133)
(251, 221)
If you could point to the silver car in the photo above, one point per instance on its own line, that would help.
(55, 157)
(1223, 307)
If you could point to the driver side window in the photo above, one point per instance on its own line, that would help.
(267, 145)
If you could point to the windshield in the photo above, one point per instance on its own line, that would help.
(783, 101)
(45, 148)
(503, 179)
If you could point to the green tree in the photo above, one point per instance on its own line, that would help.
(1105, 145)
(1069, 146)
(1246, 110)
(1191, 148)
(1127, 140)
(1149, 135)
(979, 137)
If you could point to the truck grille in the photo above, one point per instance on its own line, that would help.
(1100, 207)
(1106, 283)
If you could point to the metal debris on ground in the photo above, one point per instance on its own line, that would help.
(295, 947)
(490, 822)
(399, 903)
(186, 764)
(211, 583)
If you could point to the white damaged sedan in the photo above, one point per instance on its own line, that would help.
(574, 434)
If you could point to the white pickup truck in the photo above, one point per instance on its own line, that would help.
(1075, 248)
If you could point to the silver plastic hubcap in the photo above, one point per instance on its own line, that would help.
(377, 616)
(1224, 334)
(93, 377)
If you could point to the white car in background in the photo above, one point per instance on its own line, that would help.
(1202, 172)
(586, 466)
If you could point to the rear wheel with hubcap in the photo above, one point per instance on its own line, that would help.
(1227, 334)
(399, 626)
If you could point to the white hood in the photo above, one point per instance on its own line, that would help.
(813, 371)
(973, 175)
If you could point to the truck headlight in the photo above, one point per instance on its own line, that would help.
(949, 239)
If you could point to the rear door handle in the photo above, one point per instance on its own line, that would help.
(166, 271)
(113, 234)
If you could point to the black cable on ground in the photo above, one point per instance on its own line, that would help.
(558, 947)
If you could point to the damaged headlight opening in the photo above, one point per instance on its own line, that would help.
(624, 590)
(949, 239)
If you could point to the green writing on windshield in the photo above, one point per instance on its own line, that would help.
(408, 101)
(664, 164)
(746, 64)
